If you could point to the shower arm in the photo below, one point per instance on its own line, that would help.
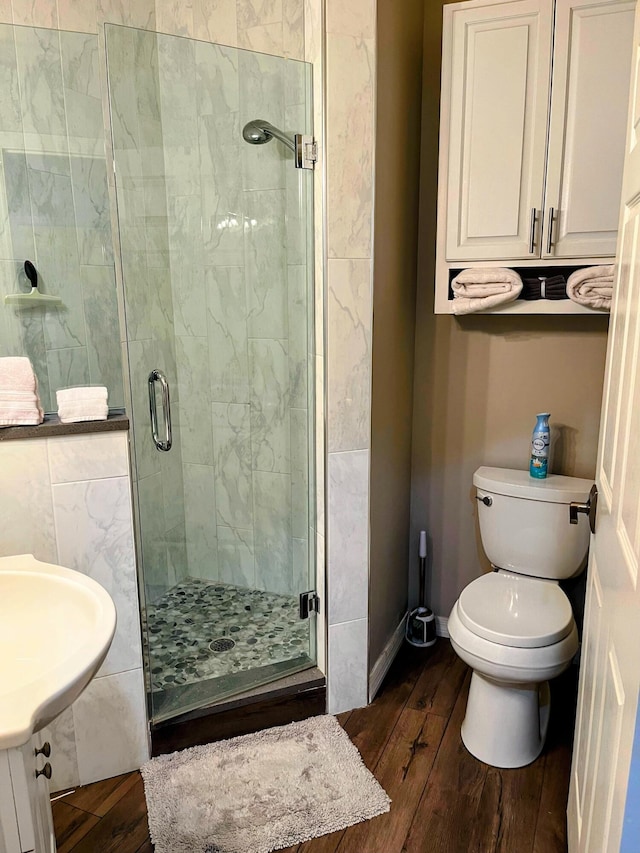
(259, 131)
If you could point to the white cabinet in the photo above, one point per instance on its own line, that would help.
(532, 127)
(496, 73)
(589, 100)
(26, 823)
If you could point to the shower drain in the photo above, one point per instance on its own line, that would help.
(222, 644)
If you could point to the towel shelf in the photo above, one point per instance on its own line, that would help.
(546, 190)
(521, 305)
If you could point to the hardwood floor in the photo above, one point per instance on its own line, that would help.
(444, 800)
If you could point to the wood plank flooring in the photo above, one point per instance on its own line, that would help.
(444, 800)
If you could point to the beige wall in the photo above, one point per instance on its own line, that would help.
(479, 382)
(398, 100)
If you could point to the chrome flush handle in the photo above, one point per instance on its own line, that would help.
(589, 508)
(487, 500)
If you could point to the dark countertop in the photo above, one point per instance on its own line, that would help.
(117, 420)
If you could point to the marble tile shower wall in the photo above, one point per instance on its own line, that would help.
(68, 501)
(54, 210)
(150, 315)
(214, 241)
(351, 74)
(237, 224)
(297, 28)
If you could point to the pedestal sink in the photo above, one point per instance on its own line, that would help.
(56, 626)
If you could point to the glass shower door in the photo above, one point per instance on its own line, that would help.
(216, 251)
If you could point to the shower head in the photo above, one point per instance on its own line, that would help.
(259, 131)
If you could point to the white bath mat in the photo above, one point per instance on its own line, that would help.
(260, 792)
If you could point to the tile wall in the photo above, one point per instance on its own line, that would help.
(298, 29)
(350, 82)
(151, 310)
(214, 239)
(67, 500)
(54, 211)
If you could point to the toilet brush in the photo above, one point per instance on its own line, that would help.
(421, 623)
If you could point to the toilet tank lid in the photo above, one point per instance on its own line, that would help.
(519, 484)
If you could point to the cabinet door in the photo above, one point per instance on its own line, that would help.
(9, 834)
(496, 70)
(589, 100)
(41, 806)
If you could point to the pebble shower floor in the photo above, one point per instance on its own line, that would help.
(184, 625)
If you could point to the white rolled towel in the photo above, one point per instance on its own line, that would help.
(483, 288)
(592, 286)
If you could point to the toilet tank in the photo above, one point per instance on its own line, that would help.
(525, 524)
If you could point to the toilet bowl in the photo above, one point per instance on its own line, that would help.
(514, 626)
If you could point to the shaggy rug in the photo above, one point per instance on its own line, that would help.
(260, 792)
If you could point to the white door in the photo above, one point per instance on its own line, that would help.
(496, 77)
(610, 668)
(589, 106)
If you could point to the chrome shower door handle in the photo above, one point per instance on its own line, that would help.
(158, 376)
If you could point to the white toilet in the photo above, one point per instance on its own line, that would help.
(514, 626)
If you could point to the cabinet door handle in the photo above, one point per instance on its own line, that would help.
(45, 750)
(532, 230)
(46, 771)
(550, 230)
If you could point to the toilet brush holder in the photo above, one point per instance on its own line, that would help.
(421, 622)
(421, 627)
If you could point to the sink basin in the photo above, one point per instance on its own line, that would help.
(56, 626)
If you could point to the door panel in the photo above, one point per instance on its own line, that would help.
(591, 67)
(605, 727)
(217, 265)
(588, 694)
(499, 67)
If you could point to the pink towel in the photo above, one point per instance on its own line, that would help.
(20, 414)
(27, 397)
(22, 419)
(16, 374)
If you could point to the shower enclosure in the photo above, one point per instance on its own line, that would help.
(216, 247)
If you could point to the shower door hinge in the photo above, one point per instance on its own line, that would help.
(306, 151)
(309, 603)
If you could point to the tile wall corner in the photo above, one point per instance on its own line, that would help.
(350, 149)
(67, 500)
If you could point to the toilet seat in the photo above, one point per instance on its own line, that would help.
(510, 663)
(515, 610)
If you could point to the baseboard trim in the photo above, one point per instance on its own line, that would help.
(381, 666)
(442, 626)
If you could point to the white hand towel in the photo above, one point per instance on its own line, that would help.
(16, 374)
(481, 289)
(74, 413)
(592, 286)
(97, 393)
